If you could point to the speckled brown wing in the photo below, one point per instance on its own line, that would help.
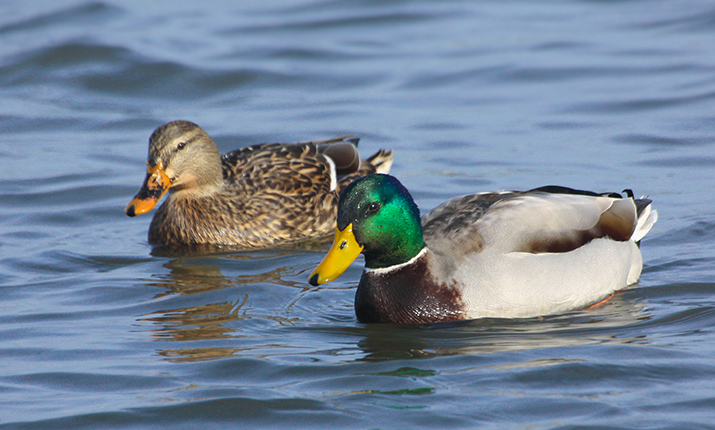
(231, 218)
(280, 168)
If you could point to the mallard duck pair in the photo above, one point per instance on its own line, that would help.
(500, 254)
(256, 197)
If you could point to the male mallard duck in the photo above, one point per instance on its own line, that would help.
(501, 254)
(258, 196)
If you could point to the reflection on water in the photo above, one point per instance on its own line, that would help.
(605, 324)
(237, 253)
(196, 323)
(230, 320)
(186, 278)
(200, 272)
(194, 269)
(190, 279)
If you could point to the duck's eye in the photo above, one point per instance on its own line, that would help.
(373, 207)
(181, 145)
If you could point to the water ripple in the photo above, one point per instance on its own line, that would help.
(92, 12)
(99, 329)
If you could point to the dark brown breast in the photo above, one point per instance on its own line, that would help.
(408, 295)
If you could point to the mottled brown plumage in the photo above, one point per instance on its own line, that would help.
(255, 197)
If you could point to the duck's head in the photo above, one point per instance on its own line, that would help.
(378, 218)
(182, 157)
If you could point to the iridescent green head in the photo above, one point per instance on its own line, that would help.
(385, 220)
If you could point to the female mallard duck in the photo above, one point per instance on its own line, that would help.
(259, 196)
(501, 254)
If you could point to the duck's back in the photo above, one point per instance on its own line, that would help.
(519, 254)
(546, 219)
(275, 167)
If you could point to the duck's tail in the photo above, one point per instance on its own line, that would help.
(381, 161)
(647, 216)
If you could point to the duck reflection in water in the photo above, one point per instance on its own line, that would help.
(268, 311)
(212, 306)
(599, 325)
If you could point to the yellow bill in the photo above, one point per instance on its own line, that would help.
(344, 251)
(156, 184)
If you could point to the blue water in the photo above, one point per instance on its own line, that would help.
(99, 331)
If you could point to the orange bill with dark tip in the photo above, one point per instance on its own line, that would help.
(156, 184)
(344, 251)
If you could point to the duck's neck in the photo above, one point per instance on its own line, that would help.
(417, 259)
(208, 182)
(195, 190)
(398, 248)
(381, 259)
(407, 293)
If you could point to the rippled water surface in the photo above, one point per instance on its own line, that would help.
(98, 330)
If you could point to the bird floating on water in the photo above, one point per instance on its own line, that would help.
(505, 254)
(260, 196)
